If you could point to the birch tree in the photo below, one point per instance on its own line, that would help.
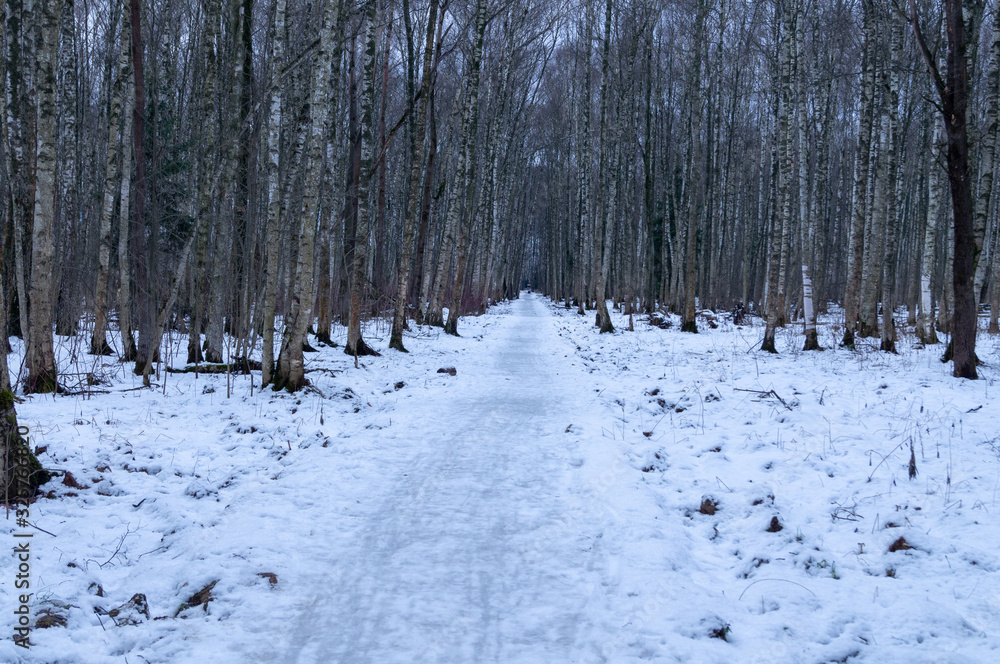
(356, 345)
(413, 191)
(453, 216)
(40, 353)
(807, 217)
(778, 253)
(4, 369)
(605, 223)
(463, 197)
(696, 171)
(98, 342)
(987, 157)
(124, 218)
(207, 175)
(272, 223)
(67, 225)
(290, 373)
(144, 351)
(20, 121)
(584, 159)
(862, 165)
(925, 329)
(889, 208)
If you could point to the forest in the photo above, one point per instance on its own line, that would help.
(244, 170)
(374, 331)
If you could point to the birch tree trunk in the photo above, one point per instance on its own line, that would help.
(463, 198)
(823, 183)
(66, 231)
(19, 87)
(422, 260)
(206, 173)
(224, 261)
(331, 232)
(356, 345)
(605, 222)
(862, 164)
(946, 305)
(653, 221)
(40, 354)
(925, 326)
(779, 229)
(871, 270)
(15, 201)
(696, 174)
(807, 218)
(987, 156)
(891, 214)
(413, 191)
(379, 249)
(435, 306)
(584, 159)
(245, 204)
(271, 249)
(425, 252)
(222, 273)
(290, 374)
(6, 200)
(145, 352)
(98, 342)
(124, 218)
(995, 290)
(4, 346)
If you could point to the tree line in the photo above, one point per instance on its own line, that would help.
(782, 156)
(249, 172)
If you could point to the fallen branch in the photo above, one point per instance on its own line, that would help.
(764, 395)
(243, 366)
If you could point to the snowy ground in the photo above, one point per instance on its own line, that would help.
(552, 502)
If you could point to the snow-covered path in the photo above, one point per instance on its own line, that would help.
(490, 548)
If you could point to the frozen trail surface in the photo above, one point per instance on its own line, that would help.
(485, 542)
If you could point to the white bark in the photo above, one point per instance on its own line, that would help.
(290, 374)
(862, 167)
(987, 157)
(124, 263)
(807, 220)
(778, 258)
(890, 209)
(413, 193)
(355, 344)
(40, 354)
(271, 249)
(607, 183)
(465, 194)
(925, 326)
